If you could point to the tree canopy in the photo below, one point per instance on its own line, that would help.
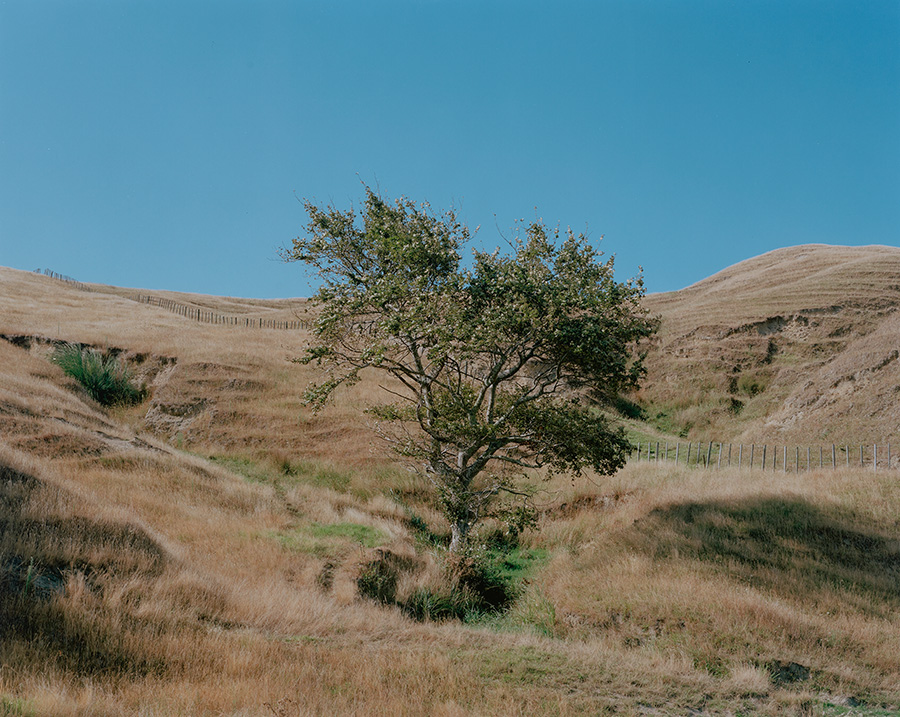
(498, 367)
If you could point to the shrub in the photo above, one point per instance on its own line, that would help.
(107, 380)
(482, 581)
(630, 409)
(378, 580)
(466, 587)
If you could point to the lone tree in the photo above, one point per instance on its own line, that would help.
(496, 367)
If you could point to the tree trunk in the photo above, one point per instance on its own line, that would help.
(459, 533)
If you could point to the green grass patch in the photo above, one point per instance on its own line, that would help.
(325, 539)
(249, 469)
(832, 710)
(106, 379)
(286, 472)
(363, 534)
(485, 592)
(336, 480)
(529, 611)
(313, 473)
(518, 563)
(664, 422)
(14, 707)
(532, 612)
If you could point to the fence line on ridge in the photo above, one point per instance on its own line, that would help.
(194, 312)
(212, 317)
(784, 458)
(62, 277)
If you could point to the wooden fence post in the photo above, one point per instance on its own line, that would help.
(709, 454)
(833, 457)
(764, 456)
(752, 450)
(677, 446)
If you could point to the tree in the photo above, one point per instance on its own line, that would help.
(496, 367)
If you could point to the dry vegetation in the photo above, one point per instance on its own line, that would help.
(198, 554)
(794, 346)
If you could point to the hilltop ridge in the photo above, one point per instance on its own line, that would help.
(796, 344)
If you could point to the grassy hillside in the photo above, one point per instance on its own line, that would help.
(794, 346)
(200, 553)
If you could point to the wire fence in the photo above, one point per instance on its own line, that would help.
(211, 317)
(63, 277)
(196, 313)
(788, 459)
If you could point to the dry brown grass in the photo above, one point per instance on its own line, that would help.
(794, 346)
(141, 578)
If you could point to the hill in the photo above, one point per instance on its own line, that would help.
(795, 346)
(213, 550)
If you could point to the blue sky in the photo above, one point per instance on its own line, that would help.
(163, 145)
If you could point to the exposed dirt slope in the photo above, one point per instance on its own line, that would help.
(797, 345)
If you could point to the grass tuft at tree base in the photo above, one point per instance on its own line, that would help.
(482, 582)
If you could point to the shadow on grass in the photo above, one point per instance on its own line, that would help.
(790, 547)
(41, 558)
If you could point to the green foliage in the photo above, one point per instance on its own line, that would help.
(494, 361)
(107, 380)
(629, 408)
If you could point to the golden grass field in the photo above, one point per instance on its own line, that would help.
(197, 554)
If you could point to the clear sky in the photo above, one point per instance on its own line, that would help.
(163, 143)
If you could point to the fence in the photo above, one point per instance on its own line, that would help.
(211, 317)
(194, 312)
(785, 458)
(62, 277)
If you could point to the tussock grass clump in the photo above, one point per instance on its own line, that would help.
(462, 589)
(441, 586)
(106, 379)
